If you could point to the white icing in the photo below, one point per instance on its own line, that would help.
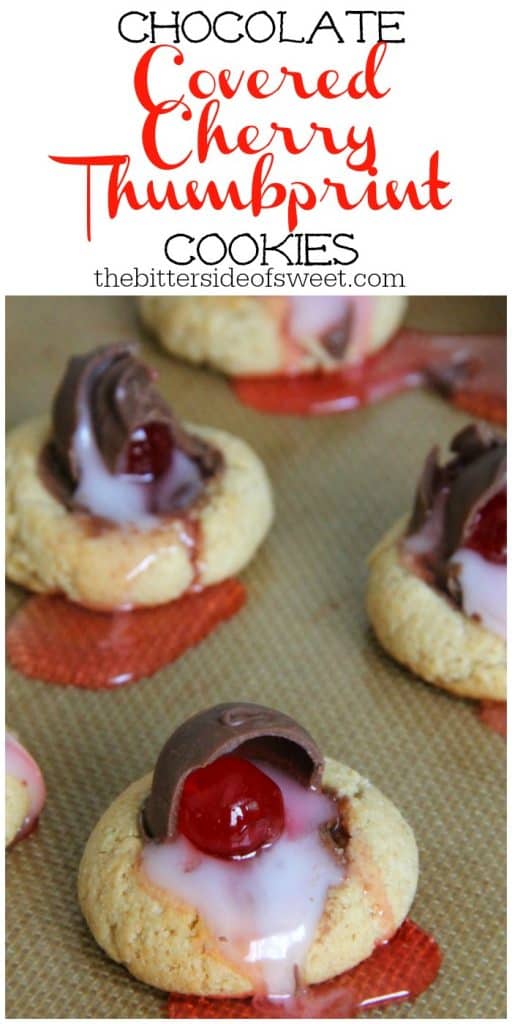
(21, 766)
(484, 589)
(311, 314)
(263, 910)
(181, 480)
(317, 314)
(127, 499)
(100, 492)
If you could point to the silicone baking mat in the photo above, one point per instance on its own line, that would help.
(302, 643)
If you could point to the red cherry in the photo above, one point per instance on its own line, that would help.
(150, 451)
(231, 808)
(488, 533)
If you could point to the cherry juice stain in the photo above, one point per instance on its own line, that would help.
(470, 370)
(398, 970)
(493, 713)
(53, 640)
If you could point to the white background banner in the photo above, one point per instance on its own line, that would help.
(317, 169)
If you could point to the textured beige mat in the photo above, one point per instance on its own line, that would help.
(302, 643)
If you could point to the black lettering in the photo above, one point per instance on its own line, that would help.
(310, 248)
(174, 24)
(167, 250)
(389, 25)
(257, 14)
(206, 239)
(223, 39)
(241, 262)
(187, 18)
(275, 248)
(347, 248)
(121, 30)
(330, 26)
(361, 15)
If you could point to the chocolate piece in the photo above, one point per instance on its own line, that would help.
(430, 484)
(448, 497)
(118, 393)
(449, 378)
(336, 339)
(250, 730)
(481, 472)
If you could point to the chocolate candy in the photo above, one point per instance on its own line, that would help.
(449, 496)
(250, 730)
(114, 393)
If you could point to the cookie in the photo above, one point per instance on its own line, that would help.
(195, 524)
(16, 807)
(196, 940)
(25, 791)
(422, 630)
(437, 582)
(260, 335)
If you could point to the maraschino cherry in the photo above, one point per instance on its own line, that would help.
(150, 451)
(230, 808)
(488, 533)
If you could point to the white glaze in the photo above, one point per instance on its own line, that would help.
(100, 492)
(266, 908)
(21, 766)
(317, 314)
(181, 480)
(311, 314)
(484, 589)
(121, 498)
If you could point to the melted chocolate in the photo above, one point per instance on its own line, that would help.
(336, 339)
(249, 729)
(118, 392)
(448, 497)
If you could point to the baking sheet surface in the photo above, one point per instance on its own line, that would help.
(302, 643)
